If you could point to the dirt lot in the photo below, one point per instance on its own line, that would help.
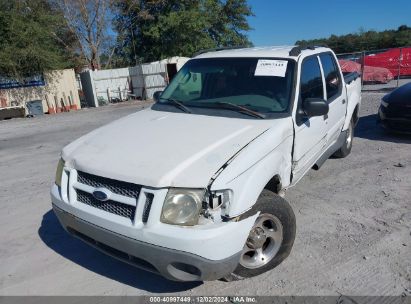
(373, 87)
(353, 221)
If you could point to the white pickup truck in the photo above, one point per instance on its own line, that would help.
(192, 188)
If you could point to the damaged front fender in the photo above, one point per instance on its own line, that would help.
(252, 168)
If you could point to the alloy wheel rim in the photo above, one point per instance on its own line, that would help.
(263, 242)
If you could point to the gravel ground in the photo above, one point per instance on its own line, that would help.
(385, 86)
(353, 220)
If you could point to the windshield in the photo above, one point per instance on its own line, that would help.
(259, 84)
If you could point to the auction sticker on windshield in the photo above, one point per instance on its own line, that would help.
(266, 67)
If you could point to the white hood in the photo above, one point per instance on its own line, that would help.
(162, 149)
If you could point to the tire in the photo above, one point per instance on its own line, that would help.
(346, 147)
(273, 210)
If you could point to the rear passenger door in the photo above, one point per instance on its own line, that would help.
(310, 133)
(334, 95)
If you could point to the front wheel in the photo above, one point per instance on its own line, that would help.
(270, 239)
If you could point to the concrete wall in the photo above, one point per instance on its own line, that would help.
(148, 78)
(87, 84)
(99, 87)
(59, 94)
(155, 75)
(113, 83)
(140, 81)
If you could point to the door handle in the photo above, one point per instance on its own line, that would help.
(343, 101)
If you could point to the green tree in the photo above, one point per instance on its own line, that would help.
(32, 39)
(150, 30)
(403, 36)
(365, 40)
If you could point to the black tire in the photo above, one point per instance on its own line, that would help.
(270, 203)
(346, 147)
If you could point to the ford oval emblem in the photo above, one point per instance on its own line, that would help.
(101, 194)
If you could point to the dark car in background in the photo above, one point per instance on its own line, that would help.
(395, 110)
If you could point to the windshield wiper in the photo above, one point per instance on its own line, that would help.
(241, 109)
(178, 104)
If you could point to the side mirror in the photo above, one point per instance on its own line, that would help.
(315, 107)
(156, 95)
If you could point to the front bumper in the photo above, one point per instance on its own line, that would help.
(203, 252)
(394, 123)
(172, 264)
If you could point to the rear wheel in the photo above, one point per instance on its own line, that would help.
(270, 239)
(346, 147)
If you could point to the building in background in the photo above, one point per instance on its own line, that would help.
(139, 82)
(53, 92)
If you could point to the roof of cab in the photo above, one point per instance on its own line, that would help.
(267, 51)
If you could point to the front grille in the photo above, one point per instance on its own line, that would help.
(115, 186)
(147, 206)
(108, 206)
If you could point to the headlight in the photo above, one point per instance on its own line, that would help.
(59, 172)
(182, 206)
(385, 104)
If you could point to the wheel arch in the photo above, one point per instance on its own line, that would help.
(353, 111)
(274, 184)
(355, 115)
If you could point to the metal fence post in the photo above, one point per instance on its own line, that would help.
(399, 68)
(362, 68)
(109, 95)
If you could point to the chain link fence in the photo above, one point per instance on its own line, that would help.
(380, 70)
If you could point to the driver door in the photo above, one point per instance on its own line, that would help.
(310, 132)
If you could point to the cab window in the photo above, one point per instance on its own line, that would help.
(311, 79)
(332, 76)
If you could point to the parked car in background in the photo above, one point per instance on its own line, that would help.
(192, 188)
(395, 110)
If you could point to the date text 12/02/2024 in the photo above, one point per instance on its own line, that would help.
(203, 299)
